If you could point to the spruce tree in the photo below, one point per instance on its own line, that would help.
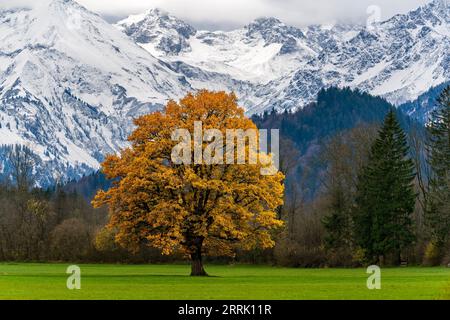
(385, 196)
(438, 199)
(338, 223)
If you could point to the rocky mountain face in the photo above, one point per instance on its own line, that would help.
(398, 59)
(71, 83)
(169, 34)
(421, 109)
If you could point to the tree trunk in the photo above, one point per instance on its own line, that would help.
(381, 261)
(197, 268)
(196, 260)
(398, 257)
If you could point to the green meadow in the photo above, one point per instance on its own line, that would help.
(48, 281)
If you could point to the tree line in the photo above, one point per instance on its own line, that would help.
(56, 223)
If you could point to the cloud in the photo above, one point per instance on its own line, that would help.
(229, 14)
(7, 4)
(235, 13)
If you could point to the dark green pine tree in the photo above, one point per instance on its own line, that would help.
(338, 224)
(385, 197)
(438, 146)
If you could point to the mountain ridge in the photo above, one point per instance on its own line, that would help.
(71, 83)
(396, 58)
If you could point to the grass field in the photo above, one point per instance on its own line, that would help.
(48, 281)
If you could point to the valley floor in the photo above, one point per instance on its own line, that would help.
(167, 282)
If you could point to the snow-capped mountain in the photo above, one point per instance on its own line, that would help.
(167, 33)
(399, 59)
(264, 48)
(70, 84)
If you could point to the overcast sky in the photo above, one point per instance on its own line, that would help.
(229, 14)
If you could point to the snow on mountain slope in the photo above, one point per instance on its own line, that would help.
(167, 33)
(70, 84)
(398, 59)
(421, 109)
(413, 54)
(261, 51)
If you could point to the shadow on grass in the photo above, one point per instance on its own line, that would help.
(154, 276)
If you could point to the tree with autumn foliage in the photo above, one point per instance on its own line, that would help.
(198, 208)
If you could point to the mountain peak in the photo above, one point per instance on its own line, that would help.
(157, 12)
(45, 4)
(70, 83)
(272, 30)
(58, 4)
(150, 14)
(155, 17)
(265, 22)
(158, 26)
